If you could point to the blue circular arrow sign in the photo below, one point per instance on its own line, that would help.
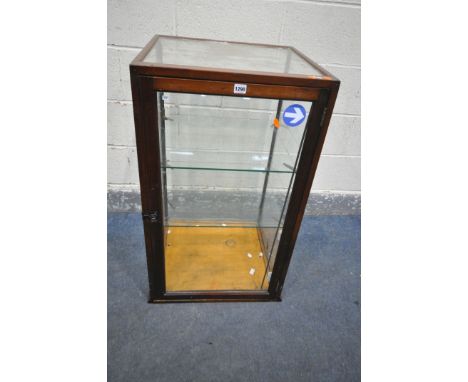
(294, 115)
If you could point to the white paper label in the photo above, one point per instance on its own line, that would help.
(240, 88)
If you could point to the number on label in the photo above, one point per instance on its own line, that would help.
(240, 88)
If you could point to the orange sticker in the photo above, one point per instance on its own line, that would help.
(276, 123)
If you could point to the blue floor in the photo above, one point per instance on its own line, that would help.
(312, 335)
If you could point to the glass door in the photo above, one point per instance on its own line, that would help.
(227, 165)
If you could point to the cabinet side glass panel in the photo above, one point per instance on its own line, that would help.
(227, 166)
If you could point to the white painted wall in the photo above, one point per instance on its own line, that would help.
(326, 31)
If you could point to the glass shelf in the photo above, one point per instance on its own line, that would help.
(228, 161)
(226, 169)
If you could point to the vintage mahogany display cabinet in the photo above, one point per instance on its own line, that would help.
(228, 137)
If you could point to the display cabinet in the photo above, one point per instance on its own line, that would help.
(228, 137)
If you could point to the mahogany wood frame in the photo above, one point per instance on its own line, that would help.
(146, 78)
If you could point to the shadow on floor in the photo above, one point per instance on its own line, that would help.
(312, 335)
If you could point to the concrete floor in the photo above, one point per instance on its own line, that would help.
(312, 335)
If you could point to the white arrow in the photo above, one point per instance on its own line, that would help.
(298, 115)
